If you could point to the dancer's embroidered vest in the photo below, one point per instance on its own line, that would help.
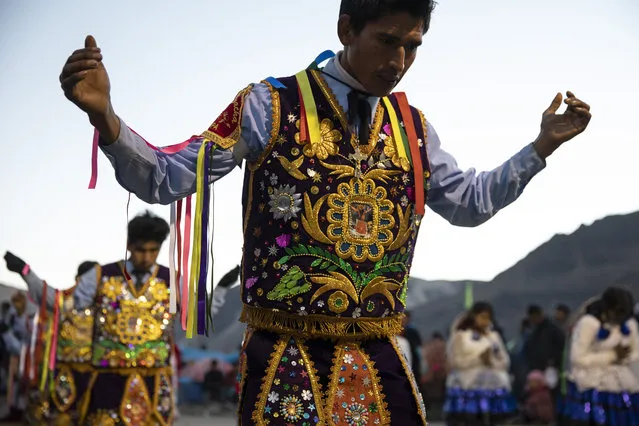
(329, 227)
(132, 328)
(76, 332)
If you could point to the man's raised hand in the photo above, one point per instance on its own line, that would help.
(85, 81)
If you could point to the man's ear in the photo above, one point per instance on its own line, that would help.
(345, 30)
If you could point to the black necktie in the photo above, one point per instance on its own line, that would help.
(139, 278)
(358, 106)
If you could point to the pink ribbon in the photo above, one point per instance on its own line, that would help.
(172, 149)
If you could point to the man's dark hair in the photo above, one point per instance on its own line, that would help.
(86, 266)
(147, 227)
(563, 308)
(365, 11)
(437, 335)
(535, 310)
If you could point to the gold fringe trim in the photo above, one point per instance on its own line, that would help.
(325, 326)
(88, 368)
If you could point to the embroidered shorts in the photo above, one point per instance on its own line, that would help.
(287, 380)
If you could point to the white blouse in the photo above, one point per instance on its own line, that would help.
(467, 369)
(593, 362)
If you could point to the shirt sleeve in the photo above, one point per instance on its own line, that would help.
(159, 178)
(584, 335)
(85, 290)
(467, 198)
(13, 344)
(36, 289)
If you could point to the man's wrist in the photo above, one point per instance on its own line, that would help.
(544, 147)
(25, 270)
(107, 124)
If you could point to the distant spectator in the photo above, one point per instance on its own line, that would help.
(478, 390)
(518, 366)
(538, 405)
(603, 346)
(434, 378)
(415, 341)
(213, 382)
(545, 345)
(562, 315)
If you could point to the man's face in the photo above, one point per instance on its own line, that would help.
(144, 254)
(379, 55)
(560, 316)
(536, 318)
(19, 303)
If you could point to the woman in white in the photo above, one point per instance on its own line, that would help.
(478, 386)
(602, 388)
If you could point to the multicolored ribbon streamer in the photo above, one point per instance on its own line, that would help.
(418, 168)
(173, 277)
(185, 295)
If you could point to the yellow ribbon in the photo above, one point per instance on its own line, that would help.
(191, 322)
(310, 107)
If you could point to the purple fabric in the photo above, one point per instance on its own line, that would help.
(395, 383)
(201, 290)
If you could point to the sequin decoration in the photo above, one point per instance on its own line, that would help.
(421, 408)
(136, 407)
(290, 393)
(355, 396)
(163, 400)
(65, 392)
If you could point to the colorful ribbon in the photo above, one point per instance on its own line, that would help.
(309, 109)
(173, 277)
(185, 295)
(400, 145)
(418, 169)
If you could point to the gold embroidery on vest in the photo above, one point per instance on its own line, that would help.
(355, 395)
(326, 146)
(361, 219)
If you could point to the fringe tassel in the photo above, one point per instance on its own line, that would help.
(321, 326)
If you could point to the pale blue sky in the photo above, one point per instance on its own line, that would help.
(484, 75)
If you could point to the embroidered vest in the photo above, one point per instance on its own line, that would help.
(76, 332)
(132, 327)
(329, 226)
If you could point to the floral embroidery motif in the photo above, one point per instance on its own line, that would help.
(390, 150)
(290, 285)
(65, 391)
(355, 396)
(135, 408)
(163, 399)
(285, 203)
(326, 146)
(338, 302)
(289, 389)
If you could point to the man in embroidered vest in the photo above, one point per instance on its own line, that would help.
(339, 170)
(115, 337)
(15, 333)
(74, 324)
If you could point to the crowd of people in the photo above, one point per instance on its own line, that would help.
(577, 368)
